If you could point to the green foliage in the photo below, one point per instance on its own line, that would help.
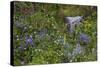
(54, 45)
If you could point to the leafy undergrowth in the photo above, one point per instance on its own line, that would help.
(40, 36)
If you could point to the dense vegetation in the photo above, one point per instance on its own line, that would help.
(41, 36)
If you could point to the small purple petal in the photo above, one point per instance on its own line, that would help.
(29, 41)
(78, 50)
(84, 38)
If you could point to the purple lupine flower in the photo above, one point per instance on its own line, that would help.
(84, 38)
(77, 50)
(29, 40)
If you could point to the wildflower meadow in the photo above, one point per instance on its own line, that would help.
(49, 33)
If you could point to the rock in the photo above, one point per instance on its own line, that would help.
(72, 21)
